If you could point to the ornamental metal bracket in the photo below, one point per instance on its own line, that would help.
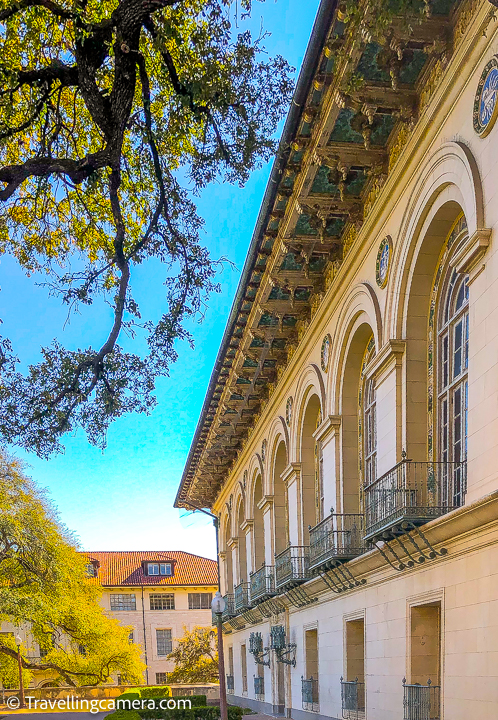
(416, 548)
(340, 579)
(261, 654)
(300, 598)
(270, 607)
(285, 652)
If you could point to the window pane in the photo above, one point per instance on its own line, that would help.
(164, 642)
(162, 601)
(119, 601)
(161, 678)
(165, 568)
(153, 569)
(199, 601)
(457, 350)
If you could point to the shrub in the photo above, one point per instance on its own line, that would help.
(194, 713)
(159, 691)
(123, 715)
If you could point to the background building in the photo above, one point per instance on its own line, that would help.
(157, 594)
(349, 438)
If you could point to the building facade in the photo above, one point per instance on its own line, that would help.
(157, 594)
(349, 438)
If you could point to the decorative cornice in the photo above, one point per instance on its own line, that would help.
(232, 542)
(291, 472)
(466, 259)
(266, 502)
(329, 426)
(392, 350)
(247, 525)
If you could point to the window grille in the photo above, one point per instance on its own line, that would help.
(200, 601)
(162, 601)
(121, 601)
(164, 642)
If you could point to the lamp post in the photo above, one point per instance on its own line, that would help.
(218, 607)
(19, 663)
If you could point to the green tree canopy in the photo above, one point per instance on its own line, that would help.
(196, 657)
(113, 116)
(44, 586)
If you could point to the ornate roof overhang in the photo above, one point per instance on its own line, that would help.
(359, 94)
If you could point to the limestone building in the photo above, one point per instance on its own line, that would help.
(349, 438)
(157, 594)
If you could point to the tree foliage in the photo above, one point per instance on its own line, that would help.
(113, 116)
(196, 657)
(44, 587)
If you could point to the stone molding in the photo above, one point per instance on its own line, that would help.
(291, 472)
(475, 247)
(392, 350)
(328, 427)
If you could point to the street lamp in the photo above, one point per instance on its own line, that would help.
(19, 664)
(218, 606)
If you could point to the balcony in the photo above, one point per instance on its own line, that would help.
(242, 595)
(229, 611)
(259, 688)
(262, 584)
(309, 694)
(336, 539)
(412, 493)
(291, 567)
(230, 684)
(353, 699)
(421, 702)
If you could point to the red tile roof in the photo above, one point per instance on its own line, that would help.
(118, 569)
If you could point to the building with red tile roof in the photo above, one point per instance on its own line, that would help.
(158, 594)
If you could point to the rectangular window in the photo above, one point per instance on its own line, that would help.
(120, 601)
(243, 662)
(164, 642)
(159, 569)
(199, 601)
(161, 678)
(353, 686)
(162, 601)
(130, 638)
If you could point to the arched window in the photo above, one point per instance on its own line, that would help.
(367, 418)
(453, 354)
(370, 425)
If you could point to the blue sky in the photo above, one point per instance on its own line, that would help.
(122, 499)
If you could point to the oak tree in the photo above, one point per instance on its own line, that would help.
(113, 117)
(196, 657)
(44, 588)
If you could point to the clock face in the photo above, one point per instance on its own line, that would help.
(325, 353)
(486, 100)
(383, 262)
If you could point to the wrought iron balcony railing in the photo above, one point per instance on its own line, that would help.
(262, 584)
(336, 539)
(242, 595)
(259, 688)
(229, 611)
(309, 694)
(353, 699)
(421, 702)
(230, 684)
(413, 493)
(291, 566)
